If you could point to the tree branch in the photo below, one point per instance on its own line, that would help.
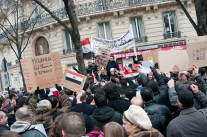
(55, 17)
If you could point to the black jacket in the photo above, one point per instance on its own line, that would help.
(159, 115)
(3, 127)
(119, 104)
(110, 65)
(83, 108)
(103, 115)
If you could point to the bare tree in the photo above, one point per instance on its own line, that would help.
(74, 31)
(201, 11)
(17, 33)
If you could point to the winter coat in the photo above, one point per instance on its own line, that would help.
(119, 104)
(26, 129)
(110, 65)
(103, 115)
(191, 122)
(83, 108)
(161, 95)
(44, 116)
(152, 133)
(159, 115)
(95, 133)
(3, 127)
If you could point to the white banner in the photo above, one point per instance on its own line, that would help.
(126, 41)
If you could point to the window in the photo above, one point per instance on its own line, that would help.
(105, 31)
(41, 46)
(69, 47)
(9, 59)
(12, 80)
(170, 25)
(37, 14)
(138, 30)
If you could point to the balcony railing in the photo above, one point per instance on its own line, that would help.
(172, 35)
(97, 6)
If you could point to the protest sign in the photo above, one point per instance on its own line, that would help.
(73, 81)
(167, 59)
(197, 51)
(125, 42)
(42, 71)
(146, 66)
(104, 56)
(153, 55)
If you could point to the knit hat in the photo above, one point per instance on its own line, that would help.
(44, 104)
(138, 116)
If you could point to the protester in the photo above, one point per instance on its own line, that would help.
(159, 115)
(191, 122)
(103, 113)
(73, 125)
(23, 125)
(137, 124)
(81, 106)
(3, 121)
(111, 64)
(114, 100)
(45, 109)
(113, 129)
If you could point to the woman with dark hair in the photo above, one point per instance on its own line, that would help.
(113, 129)
(114, 100)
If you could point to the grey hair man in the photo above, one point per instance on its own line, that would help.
(23, 125)
(3, 121)
(73, 125)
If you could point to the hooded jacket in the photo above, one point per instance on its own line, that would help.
(103, 115)
(44, 116)
(25, 129)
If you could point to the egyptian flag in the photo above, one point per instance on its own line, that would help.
(131, 75)
(86, 45)
(74, 77)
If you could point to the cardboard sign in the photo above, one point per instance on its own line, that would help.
(73, 81)
(104, 56)
(167, 59)
(153, 55)
(42, 71)
(197, 51)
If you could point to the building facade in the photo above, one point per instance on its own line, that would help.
(156, 24)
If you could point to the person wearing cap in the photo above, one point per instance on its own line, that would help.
(137, 124)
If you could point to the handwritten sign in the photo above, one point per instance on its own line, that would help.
(73, 81)
(197, 51)
(42, 71)
(103, 58)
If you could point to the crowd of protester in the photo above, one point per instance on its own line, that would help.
(171, 104)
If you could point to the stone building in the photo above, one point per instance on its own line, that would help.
(156, 24)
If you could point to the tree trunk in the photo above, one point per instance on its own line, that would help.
(75, 35)
(201, 11)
